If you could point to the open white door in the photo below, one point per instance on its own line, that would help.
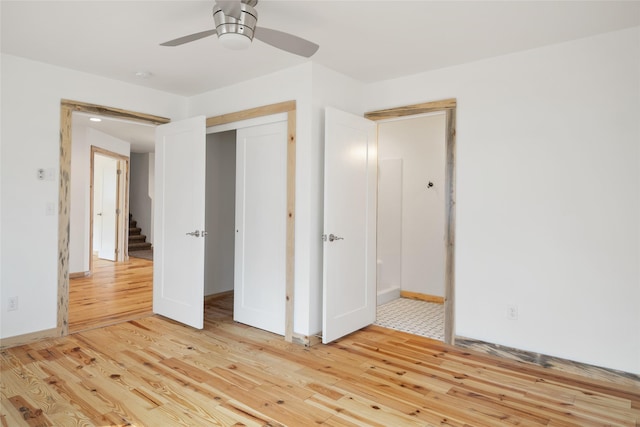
(349, 266)
(261, 227)
(178, 267)
(109, 204)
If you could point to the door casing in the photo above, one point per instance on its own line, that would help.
(122, 202)
(449, 107)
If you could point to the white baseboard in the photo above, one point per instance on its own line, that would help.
(388, 295)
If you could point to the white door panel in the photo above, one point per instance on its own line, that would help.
(261, 213)
(109, 204)
(349, 266)
(179, 208)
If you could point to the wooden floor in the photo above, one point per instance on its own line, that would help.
(155, 372)
(113, 293)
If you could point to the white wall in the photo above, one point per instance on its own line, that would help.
(548, 188)
(140, 203)
(220, 212)
(30, 134)
(548, 195)
(419, 145)
(83, 138)
(389, 229)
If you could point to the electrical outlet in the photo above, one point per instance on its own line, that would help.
(512, 312)
(12, 305)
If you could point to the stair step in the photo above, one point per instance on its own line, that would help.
(139, 246)
(137, 238)
(134, 231)
(133, 223)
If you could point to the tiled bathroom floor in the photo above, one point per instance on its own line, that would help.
(413, 316)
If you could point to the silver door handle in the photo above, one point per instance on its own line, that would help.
(331, 237)
(194, 233)
(204, 233)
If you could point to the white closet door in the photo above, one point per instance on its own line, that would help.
(261, 214)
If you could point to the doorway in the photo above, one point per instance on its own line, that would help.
(104, 287)
(108, 198)
(93, 149)
(446, 191)
(245, 220)
(68, 108)
(220, 202)
(411, 224)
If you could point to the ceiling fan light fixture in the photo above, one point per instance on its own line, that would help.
(233, 33)
(234, 41)
(235, 25)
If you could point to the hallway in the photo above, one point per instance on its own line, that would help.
(115, 292)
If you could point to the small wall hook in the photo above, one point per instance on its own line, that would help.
(430, 184)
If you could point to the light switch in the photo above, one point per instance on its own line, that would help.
(48, 174)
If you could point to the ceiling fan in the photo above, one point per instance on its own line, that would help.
(235, 22)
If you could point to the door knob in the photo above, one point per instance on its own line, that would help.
(332, 237)
(194, 233)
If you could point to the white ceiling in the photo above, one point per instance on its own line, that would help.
(140, 136)
(367, 40)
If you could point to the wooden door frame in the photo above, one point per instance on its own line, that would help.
(122, 197)
(288, 107)
(68, 107)
(448, 106)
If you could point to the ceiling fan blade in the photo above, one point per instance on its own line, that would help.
(286, 41)
(230, 8)
(189, 38)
